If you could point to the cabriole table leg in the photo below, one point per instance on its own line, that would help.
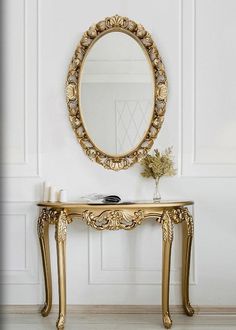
(167, 230)
(60, 236)
(43, 228)
(186, 254)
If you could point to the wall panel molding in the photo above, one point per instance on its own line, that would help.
(193, 164)
(23, 161)
(25, 270)
(100, 274)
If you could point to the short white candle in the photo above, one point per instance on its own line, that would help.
(46, 188)
(62, 196)
(52, 194)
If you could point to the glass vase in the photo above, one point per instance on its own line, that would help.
(157, 195)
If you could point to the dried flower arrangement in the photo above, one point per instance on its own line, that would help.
(158, 165)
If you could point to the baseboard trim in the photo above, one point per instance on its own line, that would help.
(119, 309)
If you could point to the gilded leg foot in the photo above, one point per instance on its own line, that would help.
(188, 309)
(45, 310)
(61, 321)
(167, 321)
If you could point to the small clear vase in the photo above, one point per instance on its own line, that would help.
(157, 195)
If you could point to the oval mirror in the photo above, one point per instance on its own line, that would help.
(116, 92)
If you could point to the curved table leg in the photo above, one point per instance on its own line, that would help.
(60, 236)
(43, 228)
(167, 230)
(186, 254)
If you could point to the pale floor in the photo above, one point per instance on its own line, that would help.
(117, 322)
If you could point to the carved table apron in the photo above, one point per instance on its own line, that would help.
(113, 217)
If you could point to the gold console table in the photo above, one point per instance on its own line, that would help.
(114, 217)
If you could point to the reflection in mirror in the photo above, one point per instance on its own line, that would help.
(116, 93)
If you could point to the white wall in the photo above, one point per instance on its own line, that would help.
(197, 42)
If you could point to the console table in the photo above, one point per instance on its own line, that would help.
(114, 217)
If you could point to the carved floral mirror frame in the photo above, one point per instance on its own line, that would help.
(144, 39)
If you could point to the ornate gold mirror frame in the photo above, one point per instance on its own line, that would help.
(144, 39)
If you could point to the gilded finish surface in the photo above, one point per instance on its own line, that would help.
(47, 216)
(113, 220)
(43, 226)
(42, 222)
(167, 232)
(61, 227)
(137, 31)
(167, 320)
(61, 321)
(114, 217)
(189, 222)
(167, 226)
(188, 229)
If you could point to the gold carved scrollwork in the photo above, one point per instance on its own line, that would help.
(189, 221)
(113, 220)
(167, 227)
(54, 217)
(182, 214)
(47, 216)
(138, 32)
(42, 222)
(175, 216)
(61, 227)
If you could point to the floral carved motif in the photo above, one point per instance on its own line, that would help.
(122, 24)
(175, 216)
(189, 221)
(61, 227)
(43, 221)
(182, 214)
(113, 220)
(46, 217)
(167, 227)
(52, 216)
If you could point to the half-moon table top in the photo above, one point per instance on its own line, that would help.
(121, 205)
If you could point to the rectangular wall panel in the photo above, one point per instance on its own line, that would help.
(14, 242)
(130, 258)
(209, 117)
(20, 147)
(20, 250)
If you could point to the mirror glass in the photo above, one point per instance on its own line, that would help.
(116, 93)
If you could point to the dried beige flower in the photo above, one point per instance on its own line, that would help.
(158, 165)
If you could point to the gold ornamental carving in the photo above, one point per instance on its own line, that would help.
(53, 217)
(167, 320)
(175, 216)
(189, 221)
(138, 32)
(61, 321)
(113, 220)
(61, 227)
(167, 227)
(46, 217)
(181, 214)
(42, 222)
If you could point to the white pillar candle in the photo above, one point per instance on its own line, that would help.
(46, 191)
(52, 194)
(62, 196)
